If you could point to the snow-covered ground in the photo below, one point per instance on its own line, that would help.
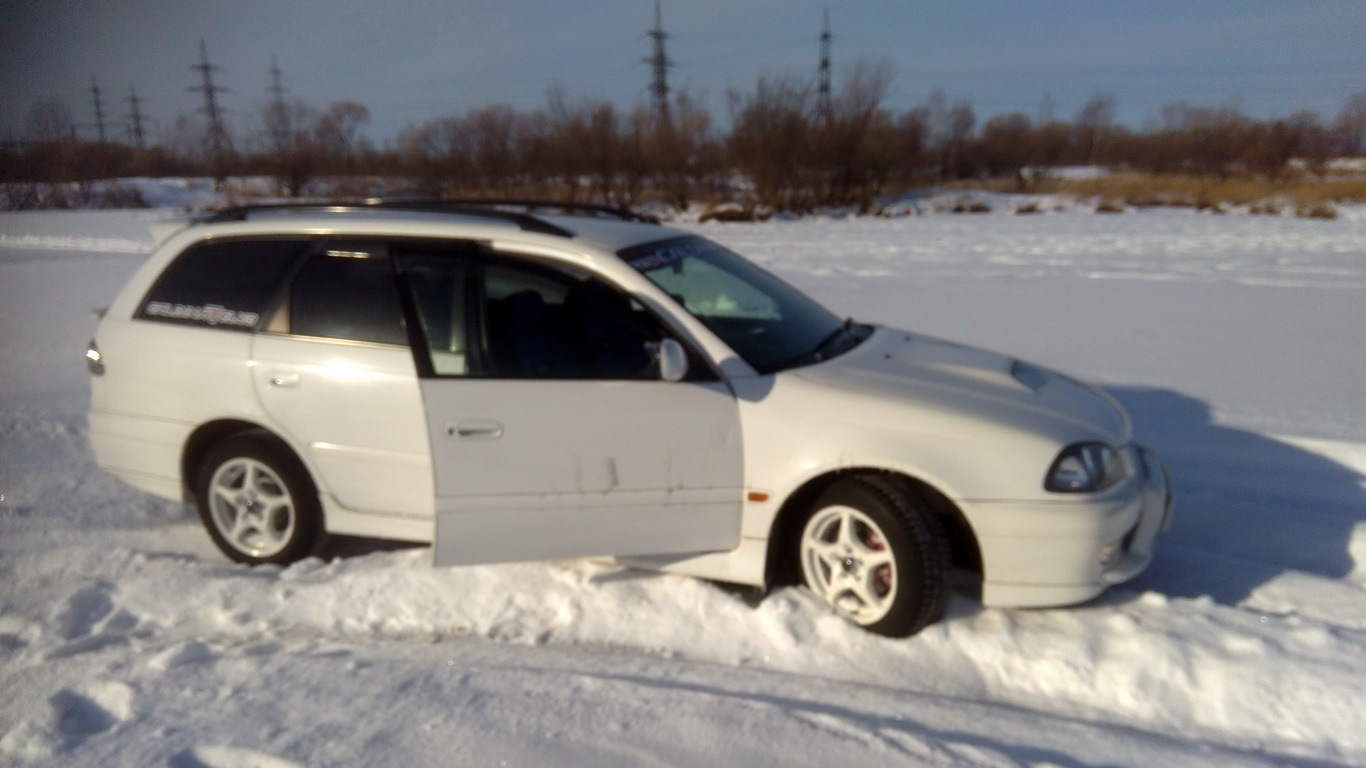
(1236, 343)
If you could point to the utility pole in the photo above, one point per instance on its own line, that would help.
(135, 118)
(823, 105)
(660, 63)
(218, 135)
(99, 108)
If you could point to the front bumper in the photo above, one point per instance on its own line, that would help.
(1135, 552)
(1067, 552)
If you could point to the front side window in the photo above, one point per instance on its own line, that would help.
(770, 324)
(224, 284)
(500, 318)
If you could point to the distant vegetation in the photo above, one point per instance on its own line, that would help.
(782, 149)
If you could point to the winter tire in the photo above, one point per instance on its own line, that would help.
(872, 551)
(258, 502)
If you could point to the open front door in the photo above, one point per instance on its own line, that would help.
(551, 433)
(535, 470)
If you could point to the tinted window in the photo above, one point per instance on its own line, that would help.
(345, 293)
(522, 321)
(224, 284)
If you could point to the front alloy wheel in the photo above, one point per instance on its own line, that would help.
(846, 561)
(877, 555)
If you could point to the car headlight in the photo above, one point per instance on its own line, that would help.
(1087, 468)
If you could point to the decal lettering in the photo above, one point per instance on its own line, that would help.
(209, 314)
(666, 255)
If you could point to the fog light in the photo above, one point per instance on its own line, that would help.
(1108, 552)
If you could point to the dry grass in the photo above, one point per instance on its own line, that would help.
(1304, 196)
(1213, 194)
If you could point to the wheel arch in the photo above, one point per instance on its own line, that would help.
(211, 433)
(780, 568)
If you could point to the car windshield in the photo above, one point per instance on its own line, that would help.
(770, 324)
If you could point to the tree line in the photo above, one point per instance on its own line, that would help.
(784, 146)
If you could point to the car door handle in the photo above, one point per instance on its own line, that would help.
(475, 429)
(284, 379)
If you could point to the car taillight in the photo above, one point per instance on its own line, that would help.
(94, 361)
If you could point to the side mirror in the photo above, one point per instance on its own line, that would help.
(673, 360)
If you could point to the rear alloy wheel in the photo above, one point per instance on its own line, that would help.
(872, 552)
(257, 501)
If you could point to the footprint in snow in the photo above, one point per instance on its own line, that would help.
(228, 757)
(90, 710)
(89, 620)
(78, 614)
(73, 715)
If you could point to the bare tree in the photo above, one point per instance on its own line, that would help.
(842, 143)
(296, 158)
(337, 132)
(492, 140)
(1350, 126)
(49, 120)
(1006, 146)
(1093, 125)
(769, 137)
(957, 158)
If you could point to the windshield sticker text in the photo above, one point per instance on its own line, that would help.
(666, 255)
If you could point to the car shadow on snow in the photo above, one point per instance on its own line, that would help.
(1248, 508)
(347, 547)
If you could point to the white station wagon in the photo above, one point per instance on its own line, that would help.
(513, 384)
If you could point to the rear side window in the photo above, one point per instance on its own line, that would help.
(221, 284)
(347, 293)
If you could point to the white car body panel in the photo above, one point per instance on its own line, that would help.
(308, 387)
(166, 380)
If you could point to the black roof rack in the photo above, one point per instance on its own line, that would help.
(493, 208)
(547, 206)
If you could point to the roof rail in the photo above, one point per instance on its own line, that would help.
(494, 208)
(523, 221)
(548, 206)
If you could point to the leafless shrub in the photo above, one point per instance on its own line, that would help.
(731, 212)
(1318, 211)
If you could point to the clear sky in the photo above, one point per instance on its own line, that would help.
(411, 60)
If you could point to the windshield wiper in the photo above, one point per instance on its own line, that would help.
(821, 351)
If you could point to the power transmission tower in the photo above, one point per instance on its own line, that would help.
(660, 63)
(218, 135)
(135, 118)
(99, 108)
(823, 82)
(277, 114)
(277, 89)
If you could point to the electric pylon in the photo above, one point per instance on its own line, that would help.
(660, 64)
(823, 105)
(219, 144)
(135, 118)
(99, 108)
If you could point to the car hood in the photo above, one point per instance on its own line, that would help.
(973, 384)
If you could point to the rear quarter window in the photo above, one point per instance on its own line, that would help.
(225, 284)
